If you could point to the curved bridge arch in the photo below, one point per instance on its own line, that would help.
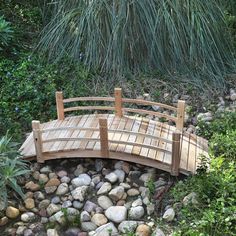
(117, 136)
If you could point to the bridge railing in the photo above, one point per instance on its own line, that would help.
(105, 141)
(119, 107)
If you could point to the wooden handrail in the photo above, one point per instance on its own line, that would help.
(154, 113)
(69, 139)
(70, 128)
(79, 99)
(149, 103)
(81, 108)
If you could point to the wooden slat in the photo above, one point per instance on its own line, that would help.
(160, 155)
(81, 108)
(167, 157)
(149, 103)
(78, 99)
(153, 113)
(59, 140)
(184, 151)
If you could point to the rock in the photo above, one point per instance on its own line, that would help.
(66, 204)
(79, 170)
(52, 232)
(43, 178)
(65, 179)
(12, 212)
(143, 230)
(85, 217)
(125, 185)
(20, 230)
(62, 189)
(160, 182)
(53, 208)
(53, 182)
(28, 232)
(111, 177)
(3, 221)
(90, 206)
(55, 200)
(158, 232)
(190, 198)
(136, 213)
(127, 226)
(116, 193)
(134, 174)
(88, 226)
(120, 203)
(120, 174)
(79, 193)
(137, 202)
(61, 173)
(29, 203)
(99, 164)
(50, 190)
(36, 175)
(44, 204)
(116, 214)
(106, 230)
(77, 204)
(169, 214)
(58, 217)
(133, 192)
(46, 170)
(39, 196)
(99, 219)
(146, 177)
(32, 186)
(28, 217)
(81, 180)
(150, 209)
(104, 202)
(105, 188)
(72, 232)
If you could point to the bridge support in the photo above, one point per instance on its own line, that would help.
(103, 137)
(180, 115)
(118, 102)
(38, 140)
(175, 153)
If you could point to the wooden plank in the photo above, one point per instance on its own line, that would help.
(38, 140)
(180, 115)
(103, 137)
(175, 153)
(184, 151)
(150, 130)
(167, 157)
(125, 137)
(118, 102)
(142, 129)
(163, 134)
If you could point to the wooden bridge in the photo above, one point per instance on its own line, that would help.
(138, 139)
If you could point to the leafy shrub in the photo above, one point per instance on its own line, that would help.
(6, 33)
(222, 123)
(11, 167)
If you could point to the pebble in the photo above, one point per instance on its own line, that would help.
(99, 164)
(52, 232)
(81, 180)
(28, 232)
(137, 202)
(88, 226)
(65, 179)
(50, 190)
(62, 189)
(46, 170)
(169, 214)
(127, 226)
(99, 219)
(53, 182)
(143, 230)
(39, 196)
(158, 232)
(72, 232)
(78, 204)
(90, 206)
(61, 173)
(111, 177)
(32, 186)
(29, 203)
(53, 208)
(66, 204)
(55, 200)
(104, 202)
(79, 193)
(12, 212)
(106, 230)
(120, 174)
(85, 217)
(28, 217)
(133, 192)
(116, 214)
(3, 221)
(43, 178)
(116, 193)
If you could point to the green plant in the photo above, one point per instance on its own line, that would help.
(151, 186)
(129, 233)
(70, 220)
(6, 33)
(187, 38)
(11, 167)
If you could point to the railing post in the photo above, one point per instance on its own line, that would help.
(103, 137)
(118, 102)
(60, 106)
(38, 140)
(175, 153)
(180, 115)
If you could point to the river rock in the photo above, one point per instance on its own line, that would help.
(111, 177)
(53, 208)
(43, 178)
(81, 180)
(88, 226)
(169, 214)
(116, 193)
(133, 192)
(136, 213)
(52, 232)
(120, 174)
(12, 212)
(79, 193)
(104, 202)
(29, 203)
(99, 219)
(53, 182)
(32, 186)
(106, 230)
(127, 226)
(85, 217)
(105, 188)
(143, 230)
(90, 206)
(116, 214)
(44, 204)
(28, 217)
(3, 221)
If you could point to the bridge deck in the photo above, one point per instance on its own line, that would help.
(130, 138)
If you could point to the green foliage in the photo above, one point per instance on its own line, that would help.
(71, 220)
(187, 38)
(6, 33)
(11, 167)
(129, 233)
(222, 123)
(151, 186)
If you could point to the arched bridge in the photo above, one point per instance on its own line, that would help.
(138, 139)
